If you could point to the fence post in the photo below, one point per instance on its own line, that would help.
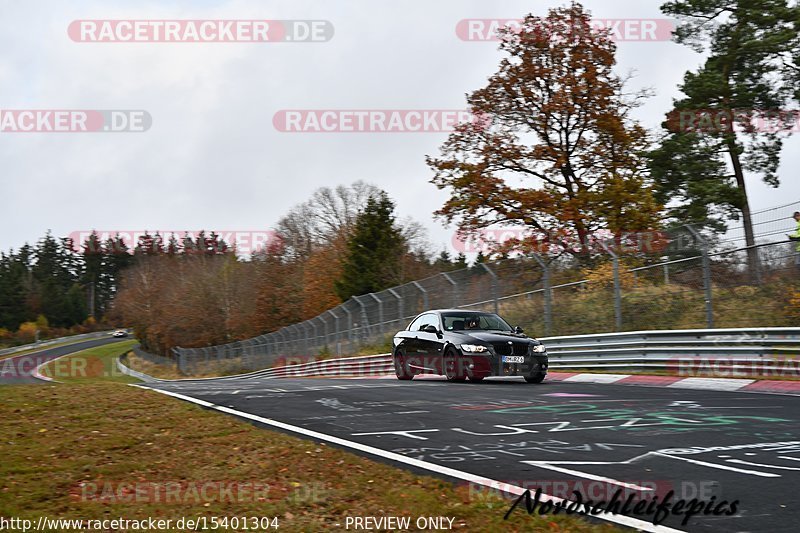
(380, 312)
(178, 359)
(548, 295)
(400, 314)
(325, 329)
(280, 343)
(424, 295)
(315, 334)
(309, 339)
(364, 328)
(709, 294)
(455, 289)
(292, 333)
(336, 331)
(617, 287)
(349, 323)
(494, 287)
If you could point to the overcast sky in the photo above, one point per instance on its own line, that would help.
(212, 158)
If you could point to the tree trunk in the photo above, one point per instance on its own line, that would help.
(753, 264)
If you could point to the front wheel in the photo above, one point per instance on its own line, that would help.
(401, 367)
(537, 377)
(452, 368)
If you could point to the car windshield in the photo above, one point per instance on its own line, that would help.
(465, 321)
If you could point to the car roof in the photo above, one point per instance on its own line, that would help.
(456, 311)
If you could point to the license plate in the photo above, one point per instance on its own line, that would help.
(513, 359)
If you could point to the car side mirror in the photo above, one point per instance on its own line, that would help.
(430, 328)
(518, 330)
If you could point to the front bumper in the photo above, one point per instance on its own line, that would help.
(493, 365)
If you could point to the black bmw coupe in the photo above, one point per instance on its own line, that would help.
(462, 344)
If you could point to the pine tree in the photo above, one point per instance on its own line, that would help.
(94, 275)
(14, 289)
(374, 250)
(750, 43)
(443, 263)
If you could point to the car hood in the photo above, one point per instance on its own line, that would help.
(493, 336)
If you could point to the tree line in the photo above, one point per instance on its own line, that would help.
(343, 241)
(49, 289)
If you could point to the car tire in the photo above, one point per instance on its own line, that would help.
(401, 368)
(476, 379)
(536, 377)
(452, 370)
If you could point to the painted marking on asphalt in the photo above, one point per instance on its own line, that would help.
(401, 433)
(715, 465)
(569, 395)
(595, 378)
(549, 466)
(720, 384)
(417, 463)
(748, 463)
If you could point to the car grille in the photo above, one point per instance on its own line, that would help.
(503, 348)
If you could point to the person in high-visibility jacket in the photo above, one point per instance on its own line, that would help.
(796, 237)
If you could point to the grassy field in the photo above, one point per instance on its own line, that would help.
(74, 450)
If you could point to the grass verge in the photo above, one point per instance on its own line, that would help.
(76, 449)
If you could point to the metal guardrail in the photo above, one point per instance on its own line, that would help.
(638, 350)
(50, 342)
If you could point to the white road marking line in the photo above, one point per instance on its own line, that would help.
(417, 463)
(748, 463)
(545, 464)
(721, 467)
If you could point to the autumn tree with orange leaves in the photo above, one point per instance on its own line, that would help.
(555, 150)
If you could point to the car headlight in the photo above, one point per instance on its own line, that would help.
(474, 348)
(538, 348)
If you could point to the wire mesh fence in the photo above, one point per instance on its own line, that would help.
(682, 283)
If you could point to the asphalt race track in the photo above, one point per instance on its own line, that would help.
(557, 436)
(19, 369)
